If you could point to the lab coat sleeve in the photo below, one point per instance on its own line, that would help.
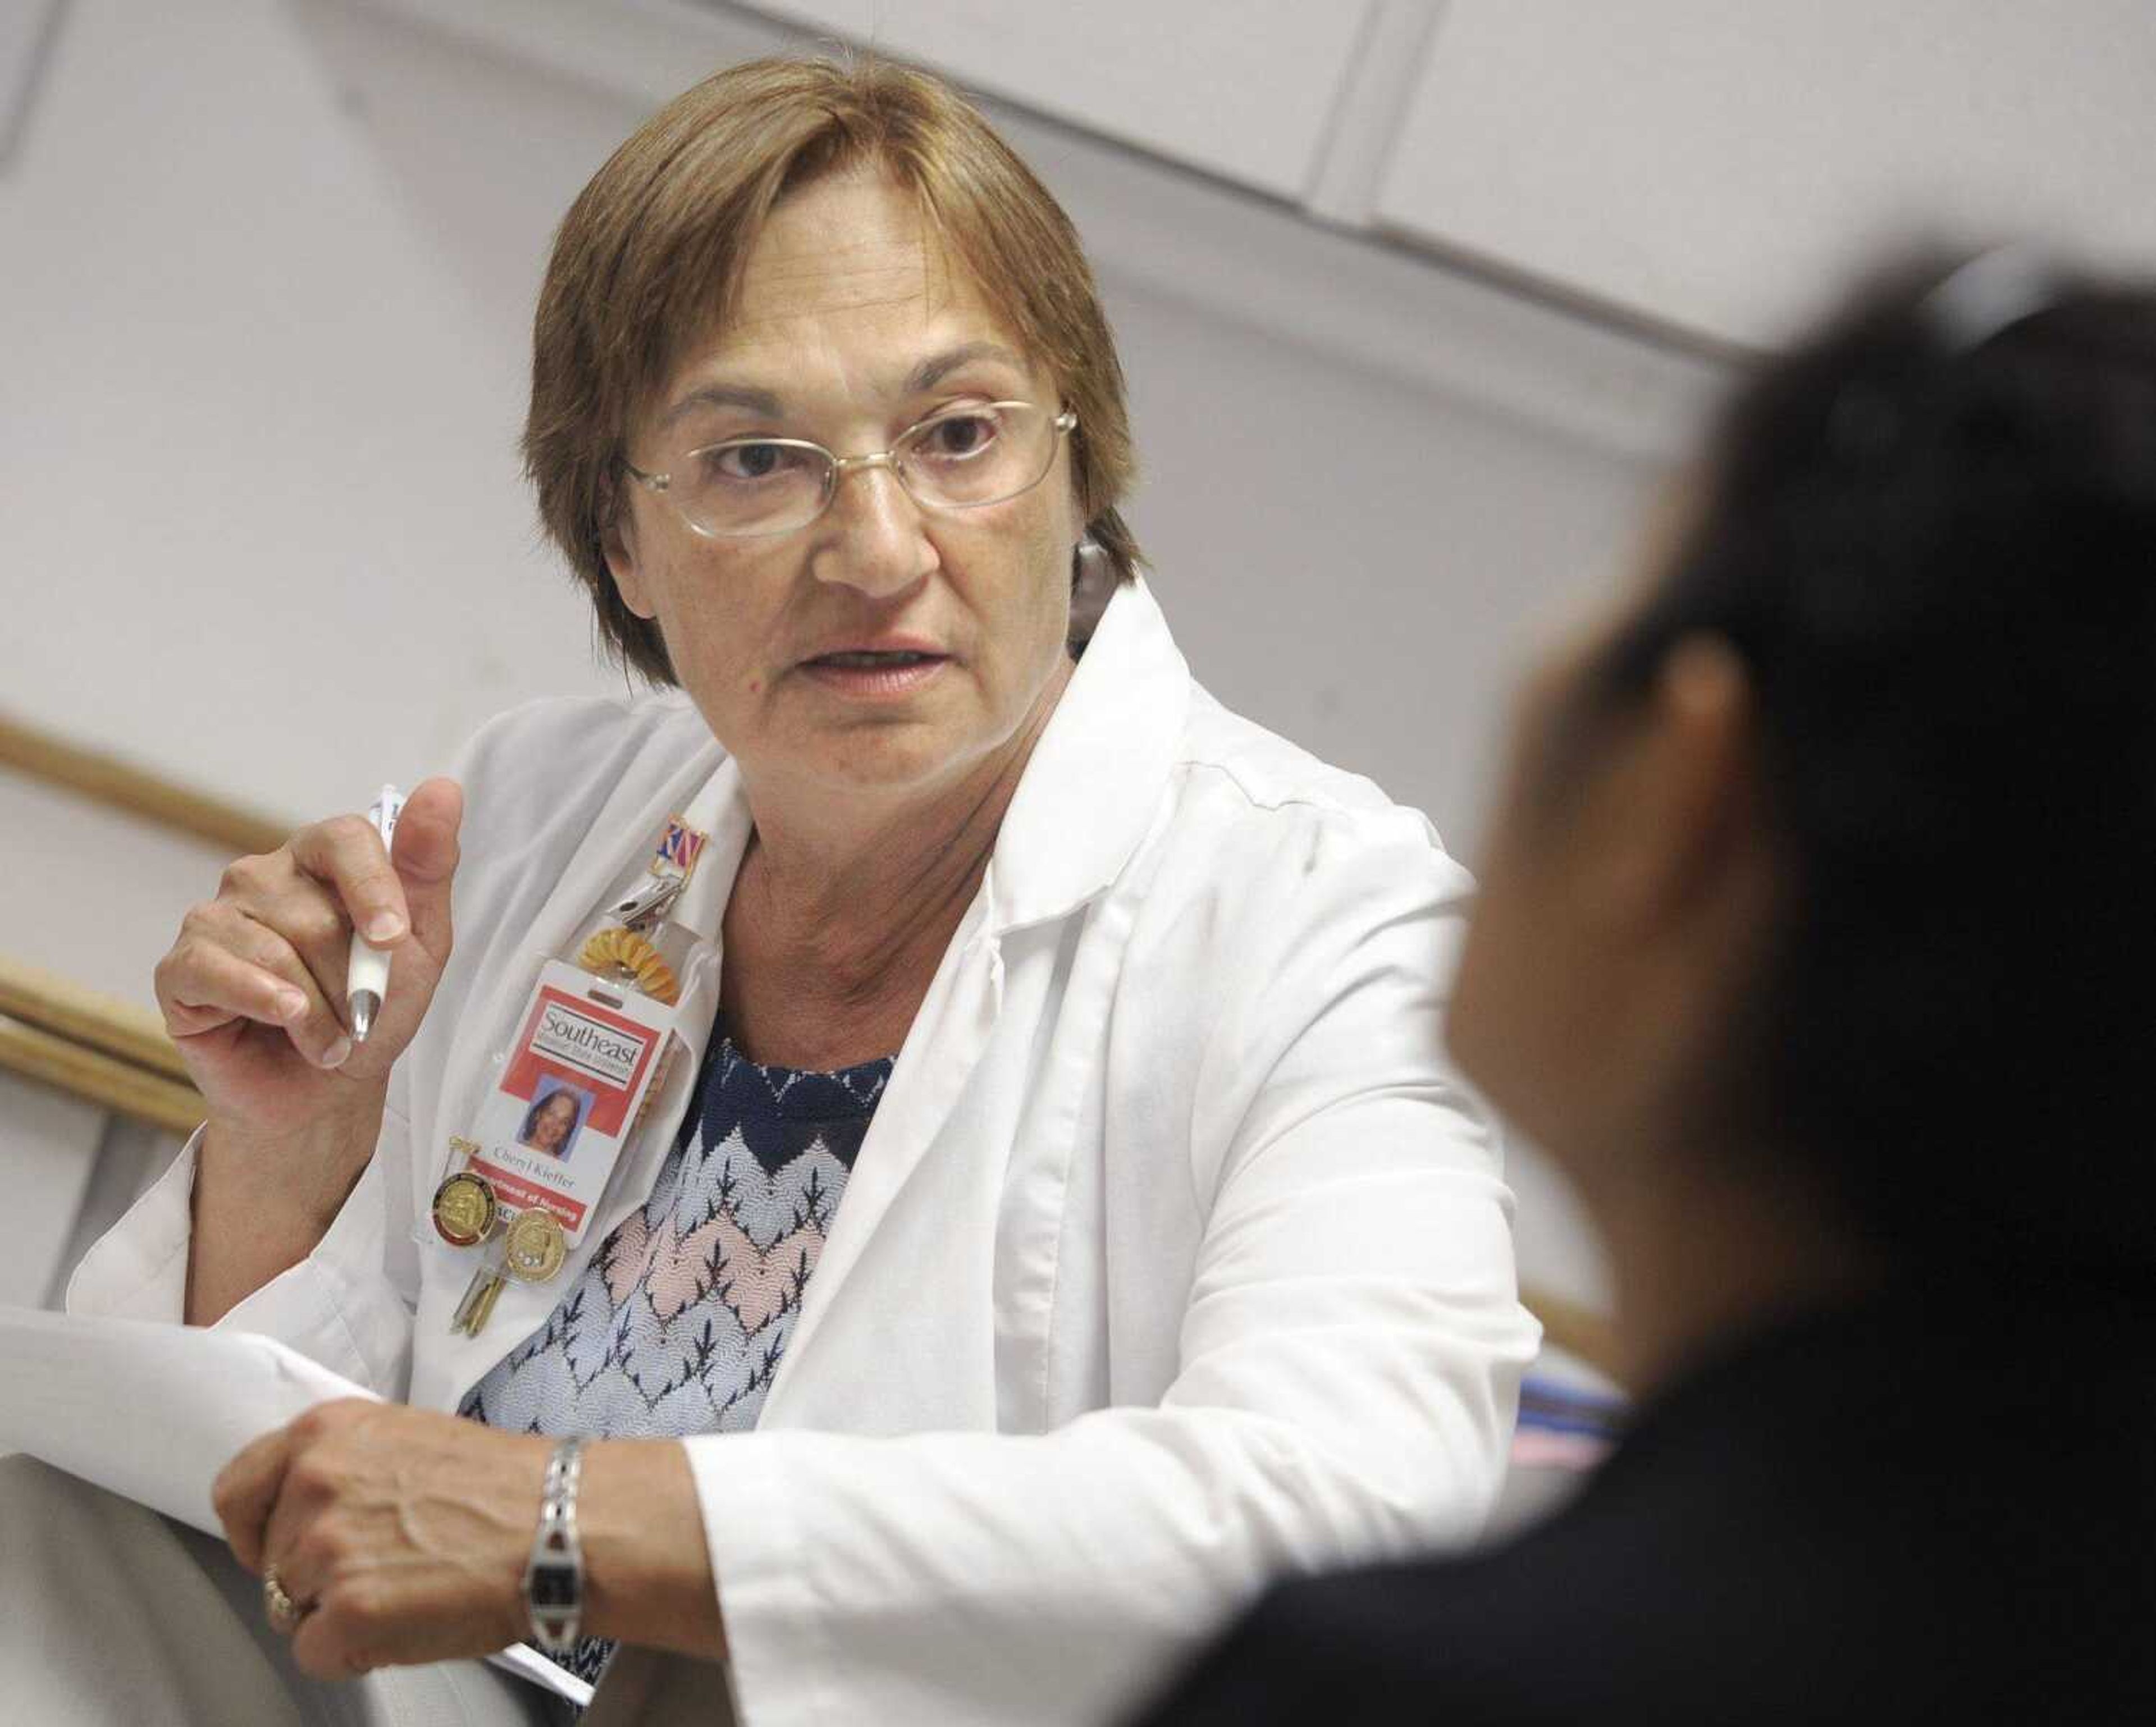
(336, 1307)
(1348, 1364)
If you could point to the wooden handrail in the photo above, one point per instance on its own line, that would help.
(98, 1078)
(121, 785)
(1578, 1331)
(112, 1053)
(44, 999)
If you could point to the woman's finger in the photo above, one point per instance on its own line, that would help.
(227, 966)
(277, 893)
(202, 986)
(291, 1533)
(245, 1493)
(346, 855)
(319, 1034)
(331, 1643)
(301, 925)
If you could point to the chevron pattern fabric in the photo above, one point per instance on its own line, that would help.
(679, 1322)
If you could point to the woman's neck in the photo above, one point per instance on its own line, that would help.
(836, 927)
(1699, 1253)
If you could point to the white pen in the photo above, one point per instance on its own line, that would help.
(366, 973)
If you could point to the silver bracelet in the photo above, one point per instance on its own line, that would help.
(554, 1574)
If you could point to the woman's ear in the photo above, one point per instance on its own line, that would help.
(617, 539)
(1681, 828)
(1093, 582)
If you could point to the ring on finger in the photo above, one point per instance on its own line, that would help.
(284, 1612)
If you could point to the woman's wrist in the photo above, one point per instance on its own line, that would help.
(304, 1173)
(648, 1573)
(263, 1201)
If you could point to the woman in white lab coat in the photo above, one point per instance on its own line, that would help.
(1150, 1247)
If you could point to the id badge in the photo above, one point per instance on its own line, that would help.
(569, 1096)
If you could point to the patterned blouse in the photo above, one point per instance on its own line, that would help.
(680, 1320)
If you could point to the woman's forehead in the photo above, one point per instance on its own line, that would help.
(842, 243)
(847, 284)
(780, 365)
(853, 247)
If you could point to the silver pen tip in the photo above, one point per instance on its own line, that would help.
(364, 1005)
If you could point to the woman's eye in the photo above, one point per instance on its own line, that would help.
(958, 436)
(748, 461)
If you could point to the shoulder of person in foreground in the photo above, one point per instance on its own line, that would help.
(1754, 1552)
(1610, 1608)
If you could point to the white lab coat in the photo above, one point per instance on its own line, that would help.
(1175, 1256)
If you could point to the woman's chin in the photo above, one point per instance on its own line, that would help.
(891, 760)
(887, 752)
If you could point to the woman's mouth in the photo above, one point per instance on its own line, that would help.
(875, 673)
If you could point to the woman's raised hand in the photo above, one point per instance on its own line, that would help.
(252, 991)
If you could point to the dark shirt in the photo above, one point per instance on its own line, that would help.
(1937, 1506)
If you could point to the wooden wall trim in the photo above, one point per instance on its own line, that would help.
(98, 1078)
(110, 1053)
(1578, 1331)
(107, 779)
(120, 1029)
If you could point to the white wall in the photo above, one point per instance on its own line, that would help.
(264, 317)
(266, 268)
(1244, 89)
(263, 527)
(91, 895)
(1719, 166)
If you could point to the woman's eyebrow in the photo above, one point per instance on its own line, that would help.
(724, 395)
(926, 376)
(933, 370)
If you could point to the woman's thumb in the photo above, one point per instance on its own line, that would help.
(424, 851)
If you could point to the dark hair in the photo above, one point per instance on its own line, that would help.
(1935, 547)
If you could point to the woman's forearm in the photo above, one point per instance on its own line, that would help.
(261, 1204)
(648, 1576)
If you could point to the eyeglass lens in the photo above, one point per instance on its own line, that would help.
(980, 453)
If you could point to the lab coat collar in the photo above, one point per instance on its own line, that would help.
(1087, 799)
(1090, 789)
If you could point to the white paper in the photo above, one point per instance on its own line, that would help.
(152, 1412)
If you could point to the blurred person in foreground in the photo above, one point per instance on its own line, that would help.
(1065, 1219)
(1815, 943)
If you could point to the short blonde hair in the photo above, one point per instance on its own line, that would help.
(651, 255)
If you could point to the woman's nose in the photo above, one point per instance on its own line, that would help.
(876, 541)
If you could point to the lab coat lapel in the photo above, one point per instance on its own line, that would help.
(952, 1029)
(1083, 806)
(443, 1373)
